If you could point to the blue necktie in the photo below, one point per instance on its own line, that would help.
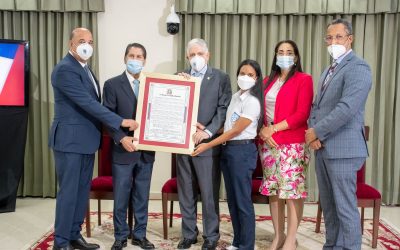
(136, 87)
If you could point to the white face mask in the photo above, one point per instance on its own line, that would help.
(284, 62)
(197, 63)
(336, 50)
(246, 82)
(84, 51)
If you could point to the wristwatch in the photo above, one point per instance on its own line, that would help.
(274, 129)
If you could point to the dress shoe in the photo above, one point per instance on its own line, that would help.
(69, 247)
(119, 244)
(143, 243)
(209, 245)
(186, 243)
(82, 244)
(232, 247)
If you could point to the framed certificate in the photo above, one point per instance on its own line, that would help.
(167, 112)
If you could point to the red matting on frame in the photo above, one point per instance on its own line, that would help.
(145, 106)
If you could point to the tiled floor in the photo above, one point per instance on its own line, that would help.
(34, 216)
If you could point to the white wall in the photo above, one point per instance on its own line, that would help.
(142, 21)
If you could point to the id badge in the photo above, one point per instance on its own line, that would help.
(234, 117)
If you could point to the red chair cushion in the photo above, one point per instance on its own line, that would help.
(102, 183)
(170, 186)
(255, 186)
(361, 174)
(105, 163)
(365, 191)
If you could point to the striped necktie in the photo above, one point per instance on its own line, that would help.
(91, 78)
(329, 75)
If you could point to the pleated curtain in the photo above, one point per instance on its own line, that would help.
(240, 29)
(47, 26)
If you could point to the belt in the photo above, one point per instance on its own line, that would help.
(239, 142)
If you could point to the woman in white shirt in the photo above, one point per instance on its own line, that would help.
(239, 152)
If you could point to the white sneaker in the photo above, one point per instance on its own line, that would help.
(232, 248)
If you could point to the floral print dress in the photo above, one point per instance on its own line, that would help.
(284, 170)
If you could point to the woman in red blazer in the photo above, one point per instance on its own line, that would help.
(284, 155)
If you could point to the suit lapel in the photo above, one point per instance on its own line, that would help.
(208, 77)
(321, 81)
(127, 89)
(331, 81)
(86, 76)
(96, 82)
(126, 86)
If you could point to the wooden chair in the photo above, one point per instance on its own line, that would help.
(102, 186)
(367, 197)
(169, 192)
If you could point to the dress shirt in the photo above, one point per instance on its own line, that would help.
(247, 106)
(270, 100)
(199, 74)
(131, 79)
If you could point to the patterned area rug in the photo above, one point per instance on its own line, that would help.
(389, 237)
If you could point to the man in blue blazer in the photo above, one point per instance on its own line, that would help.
(336, 134)
(131, 169)
(75, 137)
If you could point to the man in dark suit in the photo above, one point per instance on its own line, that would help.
(131, 169)
(75, 137)
(203, 171)
(336, 134)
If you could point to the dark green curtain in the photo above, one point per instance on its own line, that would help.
(240, 29)
(47, 26)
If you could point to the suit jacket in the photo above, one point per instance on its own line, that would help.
(338, 112)
(118, 97)
(293, 104)
(215, 96)
(78, 112)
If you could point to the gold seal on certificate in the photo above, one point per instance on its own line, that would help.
(167, 112)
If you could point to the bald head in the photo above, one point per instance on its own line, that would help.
(76, 31)
(79, 36)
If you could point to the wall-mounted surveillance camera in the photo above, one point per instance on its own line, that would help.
(173, 22)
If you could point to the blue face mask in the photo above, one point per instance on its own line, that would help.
(134, 66)
(284, 62)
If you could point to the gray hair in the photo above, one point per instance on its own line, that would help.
(197, 41)
(347, 25)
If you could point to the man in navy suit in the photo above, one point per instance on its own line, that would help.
(336, 134)
(131, 169)
(75, 137)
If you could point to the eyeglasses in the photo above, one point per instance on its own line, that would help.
(339, 38)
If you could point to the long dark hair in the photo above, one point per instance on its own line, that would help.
(276, 71)
(257, 89)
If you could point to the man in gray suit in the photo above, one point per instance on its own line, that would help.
(336, 134)
(202, 172)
